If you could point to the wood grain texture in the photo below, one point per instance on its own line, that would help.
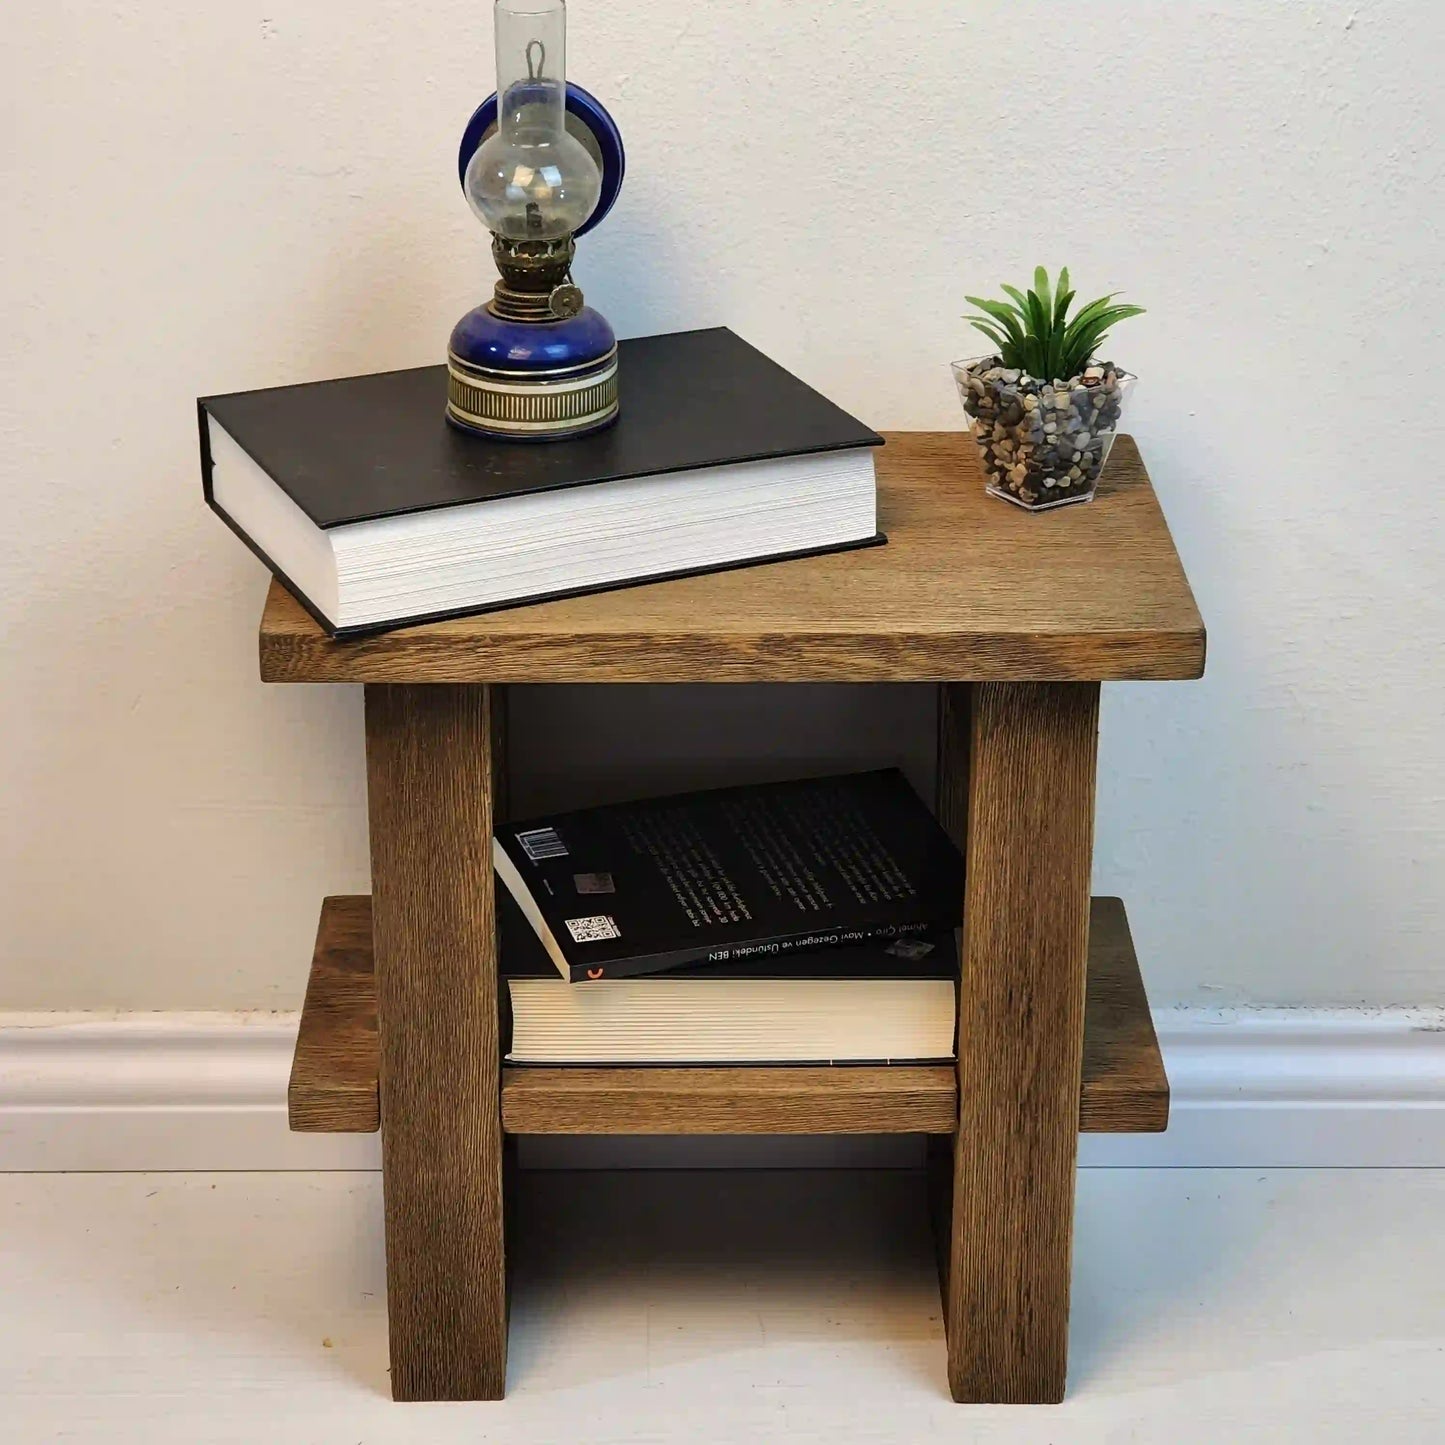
(950, 803)
(1124, 1087)
(430, 765)
(891, 1100)
(1030, 789)
(969, 587)
(333, 1087)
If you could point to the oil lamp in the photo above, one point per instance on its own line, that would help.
(541, 163)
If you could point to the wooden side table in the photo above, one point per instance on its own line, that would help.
(1018, 618)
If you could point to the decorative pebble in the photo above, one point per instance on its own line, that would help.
(1042, 442)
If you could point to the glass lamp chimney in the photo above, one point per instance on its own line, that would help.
(531, 180)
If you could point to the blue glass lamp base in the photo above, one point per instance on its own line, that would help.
(531, 380)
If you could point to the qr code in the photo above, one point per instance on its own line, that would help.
(540, 843)
(593, 883)
(597, 929)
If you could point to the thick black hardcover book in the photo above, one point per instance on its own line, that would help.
(350, 459)
(376, 446)
(732, 875)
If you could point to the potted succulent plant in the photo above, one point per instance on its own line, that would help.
(1045, 411)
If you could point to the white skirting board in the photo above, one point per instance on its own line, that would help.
(157, 1091)
(1251, 1088)
(1294, 1088)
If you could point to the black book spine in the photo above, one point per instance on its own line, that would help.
(770, 947)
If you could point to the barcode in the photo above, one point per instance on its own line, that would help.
(597, 929)
(540, 843)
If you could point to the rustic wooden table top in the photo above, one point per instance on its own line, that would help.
(968, 589)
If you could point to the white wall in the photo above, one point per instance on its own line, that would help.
(206, 198)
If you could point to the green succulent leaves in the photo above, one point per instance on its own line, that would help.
(1033, 332)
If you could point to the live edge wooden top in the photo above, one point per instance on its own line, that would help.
(968, 589)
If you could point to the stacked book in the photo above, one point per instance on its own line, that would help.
(804, 922)
(376, 514)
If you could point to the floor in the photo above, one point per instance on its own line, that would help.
(1210, 1306)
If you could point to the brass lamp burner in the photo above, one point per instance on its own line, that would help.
(535, 280)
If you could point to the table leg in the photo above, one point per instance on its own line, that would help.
(431, 752)
(1018, 763)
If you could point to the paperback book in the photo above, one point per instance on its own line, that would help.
(732, 875)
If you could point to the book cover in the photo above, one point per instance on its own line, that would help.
(366, 447)
(732, 876)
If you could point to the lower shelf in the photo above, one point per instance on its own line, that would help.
(334, 1074)
(902, 1099)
